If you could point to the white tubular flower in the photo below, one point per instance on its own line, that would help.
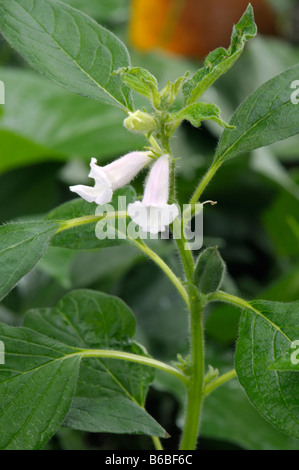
(111, 177)
(153, 214)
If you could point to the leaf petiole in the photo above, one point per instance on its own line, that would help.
(143, 360)
(209, 388)
(205, 181)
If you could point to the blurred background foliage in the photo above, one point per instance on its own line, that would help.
(47, 137)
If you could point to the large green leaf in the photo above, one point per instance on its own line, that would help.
(68, 47)
(102, 9)
(289, 360)
(21, 246)
(267, 116)
(267, 331)
(221, 60)
(84, 237)
(37, 384)
(72, 126)
(110, 394)
(246, 427)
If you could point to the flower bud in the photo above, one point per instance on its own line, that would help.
(140, 122)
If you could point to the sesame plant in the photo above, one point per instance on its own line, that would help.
(78, 365)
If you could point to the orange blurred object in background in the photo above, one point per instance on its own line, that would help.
(192, 28)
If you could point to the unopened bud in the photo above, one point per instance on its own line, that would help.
(140, 122)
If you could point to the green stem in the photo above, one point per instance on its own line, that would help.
(157, 443)
(204, 182)
(195, 387)
(219, 381)
(169, 273)
(144, 360)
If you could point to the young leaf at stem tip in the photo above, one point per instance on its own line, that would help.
(139, 80)
(198, 112)
(209, 271)
(221, 60)
(170, 92)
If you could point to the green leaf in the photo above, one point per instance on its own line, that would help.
(267, 116)
(198, 112)
(68, 47)
(209, 271)
(267, 331)
(72, 126)
(289, 360)
(37, 384)
(111, 393)
(83, 237)
(113, 414)
(108, 10)
(221, 60)
(139, 80)
(247, 427)
(21, 246)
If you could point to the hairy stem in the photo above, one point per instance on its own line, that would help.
(195, 387)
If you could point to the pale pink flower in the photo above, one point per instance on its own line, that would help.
(153, 214)
(111, 177)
